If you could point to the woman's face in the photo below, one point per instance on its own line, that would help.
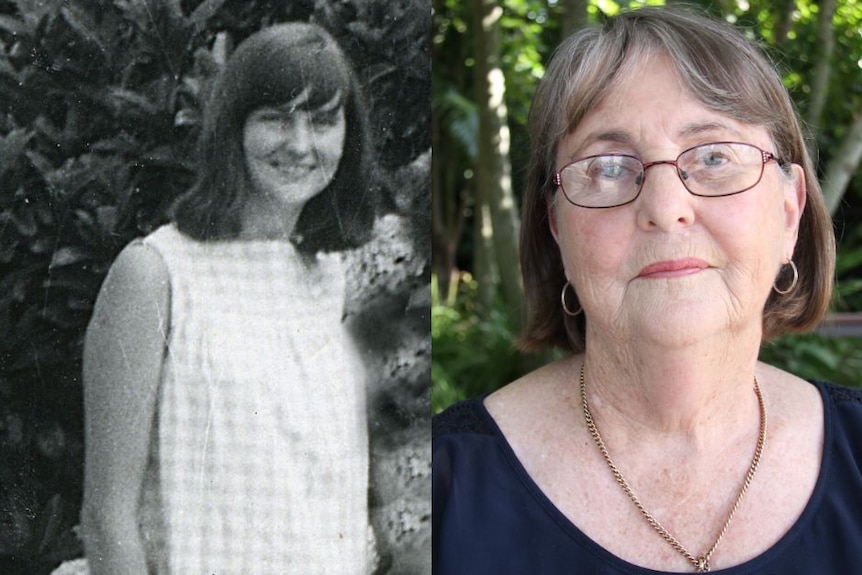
(672, 267)
(291, 151)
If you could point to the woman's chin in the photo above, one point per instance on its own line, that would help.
(290, 190)
(675, 325)
(290, 195)
(677, 335)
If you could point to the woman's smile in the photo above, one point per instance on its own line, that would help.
(290, 167)
(673, 268)
(293, 151)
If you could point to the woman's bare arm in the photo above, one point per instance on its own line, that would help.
(123, 354)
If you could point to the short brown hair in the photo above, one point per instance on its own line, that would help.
(726, 73)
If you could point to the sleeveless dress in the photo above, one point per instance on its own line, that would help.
(260, 456)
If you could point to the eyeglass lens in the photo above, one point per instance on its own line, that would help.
(715, 169)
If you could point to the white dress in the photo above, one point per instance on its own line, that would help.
(261, 459)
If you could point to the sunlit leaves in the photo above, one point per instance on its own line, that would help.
(461, 118)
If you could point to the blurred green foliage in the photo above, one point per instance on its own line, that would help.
(814, 356)
(471, 356)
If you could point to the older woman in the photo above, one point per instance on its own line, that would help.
(672, 223)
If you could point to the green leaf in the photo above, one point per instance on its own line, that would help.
(124, 99)
(205, 11)
(25, 222)
(33, 11)
(14, 26)
(41, 163)
(12, 147)
(69, 255)
(84, 25)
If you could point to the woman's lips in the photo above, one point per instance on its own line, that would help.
(291, 168)
(673, 268)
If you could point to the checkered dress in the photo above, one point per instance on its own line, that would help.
(262, 439)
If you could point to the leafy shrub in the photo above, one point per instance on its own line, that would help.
(814, 356)
(471, 355)
(101, 101)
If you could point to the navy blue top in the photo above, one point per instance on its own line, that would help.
(491, 518)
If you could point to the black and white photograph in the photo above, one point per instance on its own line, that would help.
(215, 260)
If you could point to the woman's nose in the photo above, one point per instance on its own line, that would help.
(664, 203)
(299, 133)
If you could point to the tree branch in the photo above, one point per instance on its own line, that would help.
(843, 165)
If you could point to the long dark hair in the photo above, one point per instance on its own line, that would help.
(271, 68)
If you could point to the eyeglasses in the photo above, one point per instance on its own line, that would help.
(708, 170)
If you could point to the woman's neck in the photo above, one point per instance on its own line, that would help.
(266, 220)
(696, 392)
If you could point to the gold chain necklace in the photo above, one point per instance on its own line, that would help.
(701, 563)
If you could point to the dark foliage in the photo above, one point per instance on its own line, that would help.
(99, 106)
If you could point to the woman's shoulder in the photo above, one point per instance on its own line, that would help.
(839, 487)
(812, 397)
(463, 417)
(165, 232)
(537, 399)
(528, 395)
(842, 395)
(844, 410)
(135, 290)
(167, 239)
(138, 266)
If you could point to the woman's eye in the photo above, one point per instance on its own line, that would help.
(611, 171)
(713, 160)
(608, 170)
(271, 118)
(281, 120)
(330, 118)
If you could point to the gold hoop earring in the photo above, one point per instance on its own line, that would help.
(563, 301)
(792, 285)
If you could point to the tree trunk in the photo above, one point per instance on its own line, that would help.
(485, 270)
(447, 210)
(574, 16)
(493, 171)
(784, 21)
(843, 165)
(823, 66)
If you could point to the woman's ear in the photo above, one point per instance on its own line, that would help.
(795, 196)
(551, 202)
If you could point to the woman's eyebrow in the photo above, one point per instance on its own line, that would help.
(332, 104)
(611, 136)
(687, 131)
(698, 128)
(301, 102)
(691, 129)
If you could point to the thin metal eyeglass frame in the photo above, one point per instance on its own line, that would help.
(766, 157)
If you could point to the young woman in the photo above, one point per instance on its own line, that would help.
(225, 406)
